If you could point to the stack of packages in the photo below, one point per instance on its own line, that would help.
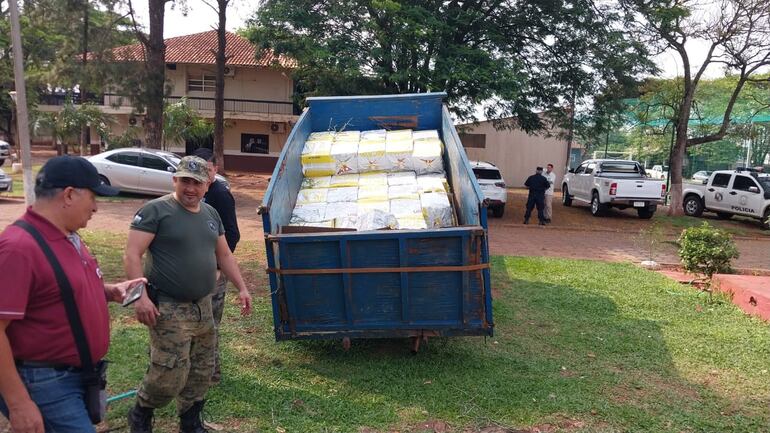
(373, 180)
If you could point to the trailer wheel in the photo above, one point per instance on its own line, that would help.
(693, 206)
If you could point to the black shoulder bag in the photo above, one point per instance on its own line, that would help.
(94, 375)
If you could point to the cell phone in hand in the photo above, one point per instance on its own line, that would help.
(133, 295)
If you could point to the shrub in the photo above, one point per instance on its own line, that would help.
(706, 250)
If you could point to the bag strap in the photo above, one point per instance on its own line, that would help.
(67, 296)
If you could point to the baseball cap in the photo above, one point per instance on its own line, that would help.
(194, 168)
(74, 171)
(539, 169)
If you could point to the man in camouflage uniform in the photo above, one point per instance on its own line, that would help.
(185, 241)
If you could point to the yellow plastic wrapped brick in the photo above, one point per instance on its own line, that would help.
(321, 136)
(373, 178)
(317, 159)
(370, 205)
(345, 194)
(307, 196)
(426, 156)
(345, 157)
(373, 193)
(432, 183)
(399, 155)
(400, 207)
(402, 178)
(427, 133)
(411, 222)
(374, 134)
(343, 181)
(436, 210)
(371, 156)
(341, 209)
(403, 192)
(399, 135)
(316, 182)
(309, 213)
(325, 224)
(347, 136)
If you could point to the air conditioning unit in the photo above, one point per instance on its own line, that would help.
(229, 71)
(278, 128)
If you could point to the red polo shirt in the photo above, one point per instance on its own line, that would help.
(30, 296)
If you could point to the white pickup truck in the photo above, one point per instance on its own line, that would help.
(607, 183)
(728, 193)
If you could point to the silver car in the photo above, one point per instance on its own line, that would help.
(6, 182)
(5, 151)
(139, 170)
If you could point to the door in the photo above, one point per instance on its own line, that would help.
(577, 178)
(745, 196)
(716, 196)
(154, 176)
(587, 180)
(123, 172)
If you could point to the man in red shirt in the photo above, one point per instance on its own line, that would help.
(41, 380)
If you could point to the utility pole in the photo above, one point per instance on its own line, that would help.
(20, 99)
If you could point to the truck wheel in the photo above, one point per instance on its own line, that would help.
(597, 208)
(498, 211)
(566, 200)
(693, 206)
(724, 215)
(646, 213)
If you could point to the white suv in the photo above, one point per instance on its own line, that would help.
(492, 185)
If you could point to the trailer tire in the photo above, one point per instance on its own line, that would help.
(693, 206)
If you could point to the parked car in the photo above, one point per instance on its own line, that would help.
(5, 151)
(701, 175)
(492, 185)
(138, 170)
(658, 172)
(607, 183)
(6, 182)
(728, 193)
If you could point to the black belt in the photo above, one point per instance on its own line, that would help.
(41, 364)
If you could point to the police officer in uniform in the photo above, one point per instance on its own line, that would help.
(537, 184)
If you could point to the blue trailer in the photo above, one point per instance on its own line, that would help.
(385, 283)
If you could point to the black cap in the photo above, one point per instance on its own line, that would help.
(74, 171)
(539, 169)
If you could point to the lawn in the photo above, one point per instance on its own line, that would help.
(580, 346)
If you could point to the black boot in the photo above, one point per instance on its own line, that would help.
(190, 421)
(140, 419)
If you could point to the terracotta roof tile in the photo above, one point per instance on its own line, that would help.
(199, 48)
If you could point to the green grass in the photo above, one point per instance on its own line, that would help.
(737, 226)
(579, 346)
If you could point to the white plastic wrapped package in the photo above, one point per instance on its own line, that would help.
(432, 183)
(399, 155)
(325, 224)
(375, 178)
(343, 180)
(346, 222)
(411, 222)
(436, 210)
(403, 192)
(428, 133)
(317, 159)
(374, 134)
(402, 178)
(341, 209)
(399, 135)
(402, 207)
(365, 206)
(307, 196)
(316, 182)
(345, 157)
(371, 156)
(309, 213)
(375, 220)
(345, 194)
(347, 136)
(373, 192)
(321, 136)
(426, 156)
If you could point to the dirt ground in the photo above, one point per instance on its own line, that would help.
(574, 233)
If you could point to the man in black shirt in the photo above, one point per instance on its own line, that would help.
(219, 197)
(537, 184)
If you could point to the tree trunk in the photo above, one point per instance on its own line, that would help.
(219, 95)
(155, 68)
(679, 153)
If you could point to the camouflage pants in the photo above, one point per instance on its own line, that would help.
(218, 307)
(181, 355)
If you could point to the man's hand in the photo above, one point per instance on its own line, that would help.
(145, 310)
(25, 417)
(117, 292)
(245, 299)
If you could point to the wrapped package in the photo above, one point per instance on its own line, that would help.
(344, 194)
(346, 222)
(309, 213)
(316, 182)
(317, 159)
(432, 183)
(426, 156)
(325, 224)
(411, 222)
(343, 180)
(402, 178)
(436, 210)
(371, 156)
(307, 196)
(347, 136)
(399, 155)
(371, 205)
(345, 157)
(399, 135)
(341, 209)
(373, 192)
(375, 220)
(403, 192)
(374, 178)
(401, 207)
(421, 135)
(374, 134)
(321, 136)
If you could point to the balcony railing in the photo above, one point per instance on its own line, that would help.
(197, 103)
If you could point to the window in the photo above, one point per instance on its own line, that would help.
(255, 143)
(487, 174)
(125, 158)
(154, 163)
(201, 83)
(590, 168)
(721, 180)
(620, 167)
(580, 169)
(742, 183)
